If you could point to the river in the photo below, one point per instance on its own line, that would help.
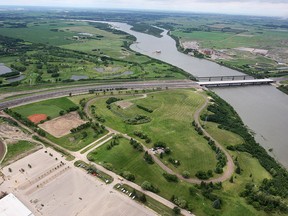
(264, 109)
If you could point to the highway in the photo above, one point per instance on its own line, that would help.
(85, 89)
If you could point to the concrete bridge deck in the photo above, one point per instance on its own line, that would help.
(235, 82)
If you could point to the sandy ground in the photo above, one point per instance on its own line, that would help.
(52, 187)
(62, 125)
(124, 104)
(190, 45)
(253, 50)
(10, 133)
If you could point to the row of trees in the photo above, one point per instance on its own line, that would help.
(142, 135)
(136, 145)
(145, 108)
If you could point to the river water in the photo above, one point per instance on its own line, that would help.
(264, 109)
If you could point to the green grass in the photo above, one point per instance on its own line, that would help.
(110, 44)
(249, 165)
(74, 142)
(16, 149)
(171, 123)
(124, 158)
(92, 146)
(50, 107)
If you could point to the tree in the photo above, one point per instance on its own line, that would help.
(146, 185)
(217, 204)
(231, 179)
(84, 134)
(142, 198)
(186, 174)
(176, 210)
(238, 170)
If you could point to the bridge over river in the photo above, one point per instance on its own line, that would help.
(245, 82)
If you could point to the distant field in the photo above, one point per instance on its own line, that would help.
(50, 107)
(223, 40)
(108, 43)
(41, 33)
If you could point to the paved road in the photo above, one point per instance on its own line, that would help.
(85, 89)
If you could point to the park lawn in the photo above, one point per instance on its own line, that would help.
(15, 149)
(74, 142)
(50, 107)
(225, 138)
(171, 123)
(77, 98)
(249, 165)
(124, 158)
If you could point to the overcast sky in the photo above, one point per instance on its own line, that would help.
(246, 7)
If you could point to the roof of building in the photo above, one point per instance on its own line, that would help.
(11, 206)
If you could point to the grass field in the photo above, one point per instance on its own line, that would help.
(171, 123)
(124, 158)
(222, 40)
(75, 142)
(15, 149)
(50, 107)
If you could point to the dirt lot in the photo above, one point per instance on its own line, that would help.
(36, 118)
(52, 187)
(124, 104)
(62, 125)
(12, 134)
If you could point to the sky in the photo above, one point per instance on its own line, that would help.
(241, 7)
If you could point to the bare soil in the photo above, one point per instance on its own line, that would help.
(124, 104)
(62, 125)
(37, 118)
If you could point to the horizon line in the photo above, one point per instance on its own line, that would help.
(138, 9)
